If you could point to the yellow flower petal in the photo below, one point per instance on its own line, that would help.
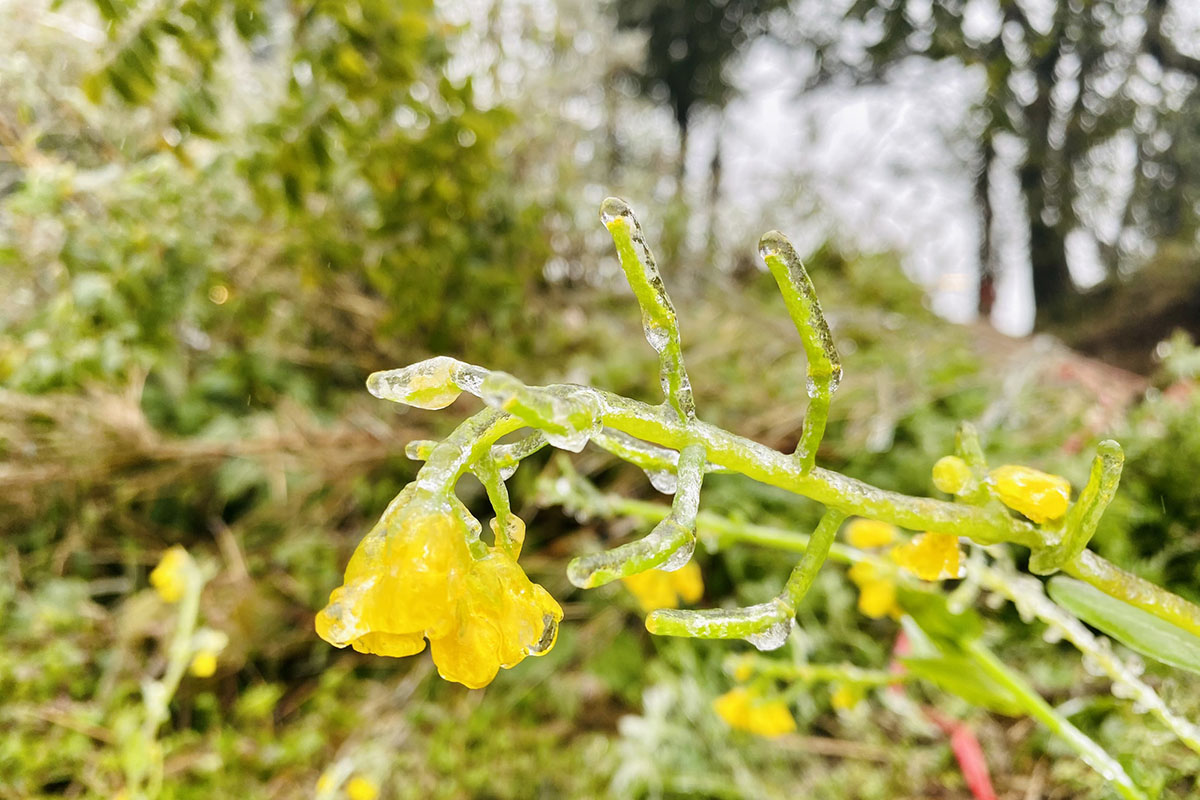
(1038, 495)
(396, 645)
(360, 788)
(951, 474)
(687, 582)
(742, 710)
(930, 556)
(868, 533)
(170, 577)
(876, 593)
(402, 579)
(655, 589)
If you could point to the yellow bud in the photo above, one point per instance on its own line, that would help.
(170, 577)
(868, 533)
(204, 664)
(1038, 495)
(951, 474)
(325, 782)
(743, 671)
(930, 556)
(360, 788)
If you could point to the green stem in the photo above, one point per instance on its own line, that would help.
(1092, 754)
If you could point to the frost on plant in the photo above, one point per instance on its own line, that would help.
(426, 573)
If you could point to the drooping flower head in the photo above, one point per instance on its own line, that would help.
(414, 577)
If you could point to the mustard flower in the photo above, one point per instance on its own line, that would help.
(930, 556)
(1038, 495)
(869, 533)
(655, 589)
(876, 592)
(170, 577)
(414, 578)
(743, 710)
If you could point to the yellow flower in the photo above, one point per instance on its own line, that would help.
(876, 593)
(204, 664)
(744, 711)
(170, 577)
(951, 474)
(655, 589)
(845, 697)
(868, 533)
(499, 618)
(930, 556)
(413, 578)
(360, 788)
(1038, 495)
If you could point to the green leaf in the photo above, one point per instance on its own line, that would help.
(1131, 626)
(959, 675)
(931, 611)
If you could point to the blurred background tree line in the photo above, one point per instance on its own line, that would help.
(217, 216)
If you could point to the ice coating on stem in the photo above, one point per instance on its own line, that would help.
(419, 449)
(428, 384)
(766, 625)
(814, 557)
(567, 416)
(824, 363)
(1084, 517)
(667, 547)
(658, 313)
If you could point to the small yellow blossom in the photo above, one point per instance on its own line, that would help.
(845, 697)
(744, 711)
(413, 578)
(204, 664)
(743, 670)
(170, 577)
(1038, 495)
(951, 474)
(930, 556)
(655, 589)
(360, 788)
(876, 593)
(869, 533)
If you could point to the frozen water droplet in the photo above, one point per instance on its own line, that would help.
(507, 472)
(680, 557)
(773, 637)
(663, 480)
(549, 634)
(1092, 666)
(1053, 635)
(571, 440)
(657, 336)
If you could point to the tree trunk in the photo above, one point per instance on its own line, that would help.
(983, 200)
